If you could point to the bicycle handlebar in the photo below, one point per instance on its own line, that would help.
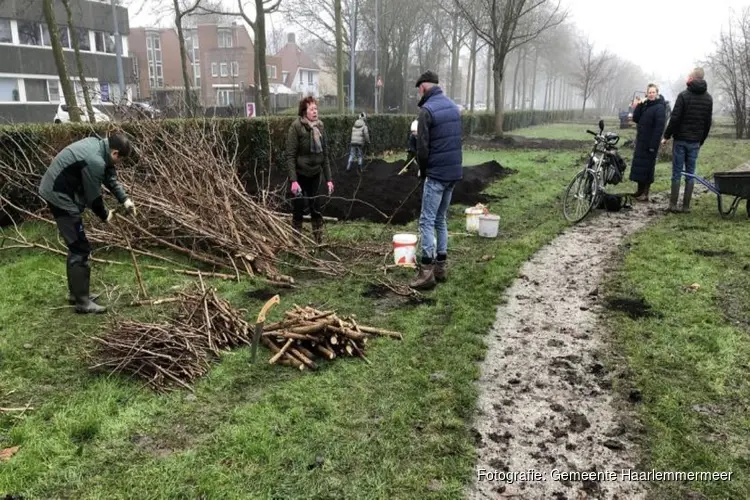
(592, 133)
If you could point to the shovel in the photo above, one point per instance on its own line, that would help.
(406, 166)
(259, 325)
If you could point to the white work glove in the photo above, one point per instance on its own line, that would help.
(110, 216)
(129, 207)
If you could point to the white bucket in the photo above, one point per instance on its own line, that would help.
(405, 249)
(488, 225)
(472, 219)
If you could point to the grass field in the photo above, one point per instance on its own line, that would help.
(398, 428)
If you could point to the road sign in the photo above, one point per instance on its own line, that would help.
(380, 82)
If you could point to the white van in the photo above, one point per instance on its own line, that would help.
(63, 117)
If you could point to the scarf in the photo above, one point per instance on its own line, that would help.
(316, 145)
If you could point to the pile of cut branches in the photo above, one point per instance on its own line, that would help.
(307, 334)
(190, 200)
(176, 351)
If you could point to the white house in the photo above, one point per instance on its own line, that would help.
(298, 70)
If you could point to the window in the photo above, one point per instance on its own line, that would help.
(9, 90)
(110, 44)
(84, 42)
(235, 68)
(214, 70)
(6, 35)
(62, 30)
(310, 77)
(225, 39)
(224, 69)
(225, 97)
(153, 54)
(301, 81)
(271, 72)
(284, 76)
(99, 40)
(53, 89)
(29, 33)
(36, 90)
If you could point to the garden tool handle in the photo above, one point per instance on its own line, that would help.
(262, 315)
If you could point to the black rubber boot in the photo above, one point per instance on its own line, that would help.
(80, 281)
(72, 299)
(688, 195)
(639, 191)
(674, 196)
(317, 227)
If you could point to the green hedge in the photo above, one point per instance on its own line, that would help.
(259, 141)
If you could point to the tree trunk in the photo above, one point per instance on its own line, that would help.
(468, 81)
(260, 36)
(68, 91)
(488, 82)
(498, 73)
(339, 57)
(79, 62)
(473, 72)
(256, 76)
(454, 59)
(533, 78)
(183, 59)
(515, 80)
(523, 80)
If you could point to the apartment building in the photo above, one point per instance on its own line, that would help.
(29, 83)
(220, 58)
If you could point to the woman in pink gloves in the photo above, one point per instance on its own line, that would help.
(306, 159)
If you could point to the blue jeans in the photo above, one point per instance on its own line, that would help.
(684, 157)
(436, 198)
(355, 153)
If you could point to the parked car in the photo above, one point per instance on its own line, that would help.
(62, 115)
(141, 110)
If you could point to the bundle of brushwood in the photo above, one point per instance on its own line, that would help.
(307, 334)
(178, 350)
(184, 182)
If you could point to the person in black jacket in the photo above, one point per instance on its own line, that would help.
(651, 116)
(689, 124)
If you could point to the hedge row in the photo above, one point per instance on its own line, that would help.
(260, 137)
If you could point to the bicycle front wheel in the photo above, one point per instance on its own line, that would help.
(580, 196)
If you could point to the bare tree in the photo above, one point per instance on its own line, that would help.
(275, 39)
(79, 62)
(730, 64)
(70, 97)
(591, 70)
(339, 57)
(507, 25)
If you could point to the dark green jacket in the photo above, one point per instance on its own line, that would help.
(299, 158)
(74, 179)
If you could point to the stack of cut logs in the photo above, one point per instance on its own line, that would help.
(307, 334)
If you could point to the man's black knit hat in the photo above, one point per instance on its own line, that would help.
(427, 77)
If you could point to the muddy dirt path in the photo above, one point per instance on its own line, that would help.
(545, 398)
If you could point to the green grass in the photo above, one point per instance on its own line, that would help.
(381, 431)
(574, 131)
(349, 430)
(691, 364)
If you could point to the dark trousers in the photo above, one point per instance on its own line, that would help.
(308, 197)
(71, 230)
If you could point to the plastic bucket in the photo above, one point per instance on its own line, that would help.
(472, 219)
(488, 225)
(405, 249)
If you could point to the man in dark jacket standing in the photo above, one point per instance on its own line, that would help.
(73, 182)
(441, 165)
(689, 124)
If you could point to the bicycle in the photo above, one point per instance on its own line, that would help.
(605, 166)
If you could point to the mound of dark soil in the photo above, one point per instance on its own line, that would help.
(378, 193)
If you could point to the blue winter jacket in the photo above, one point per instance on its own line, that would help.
(439, 137)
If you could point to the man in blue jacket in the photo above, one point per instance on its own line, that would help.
(441, 165)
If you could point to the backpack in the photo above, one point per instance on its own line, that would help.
(615, 169)
(615, 202)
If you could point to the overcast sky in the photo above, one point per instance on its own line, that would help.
(666, 37)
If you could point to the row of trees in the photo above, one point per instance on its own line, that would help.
(528, 52)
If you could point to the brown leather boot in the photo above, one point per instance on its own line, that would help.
(440, 271)
(644, 193)
(638, 191)
(425, 278)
